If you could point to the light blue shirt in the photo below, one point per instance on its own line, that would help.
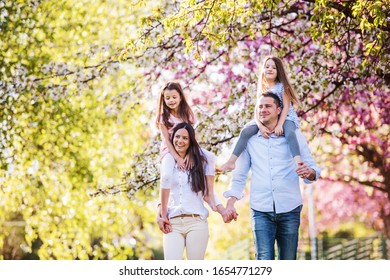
(274, 179)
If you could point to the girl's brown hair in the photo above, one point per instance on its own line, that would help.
(184, 110)
(281, 78)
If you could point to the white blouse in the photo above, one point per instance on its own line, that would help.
(182, 200)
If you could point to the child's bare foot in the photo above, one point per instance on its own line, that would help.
(228, 166)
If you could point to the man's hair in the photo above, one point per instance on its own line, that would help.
(274, 96)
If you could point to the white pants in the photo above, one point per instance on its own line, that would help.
(191, 233)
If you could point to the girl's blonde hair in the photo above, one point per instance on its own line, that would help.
(281, 78)
(184, 111)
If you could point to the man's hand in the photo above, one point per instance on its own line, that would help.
(229, 215)
(230, 212)
(305, 172)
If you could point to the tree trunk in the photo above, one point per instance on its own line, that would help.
(386, 216)
(386, 223)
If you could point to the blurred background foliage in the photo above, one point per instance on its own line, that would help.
(79, 82)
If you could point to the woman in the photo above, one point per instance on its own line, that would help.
(183, 216)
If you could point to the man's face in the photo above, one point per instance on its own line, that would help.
(268, 110)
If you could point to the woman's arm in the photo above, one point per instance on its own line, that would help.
(164, 196)
(283, 114)
(210, 197)
(166, 175)
(165, 135)
(162, 214)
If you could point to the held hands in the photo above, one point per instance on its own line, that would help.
(226, 215)
(229, 213)
(163, 223)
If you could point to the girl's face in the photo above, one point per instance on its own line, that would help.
(181, 141)
(172, 99)
(270, 72)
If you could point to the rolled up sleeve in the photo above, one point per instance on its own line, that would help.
(307, 157)
(210, 165)
(240, 176)
(166, 171)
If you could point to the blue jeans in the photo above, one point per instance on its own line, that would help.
(269, 226)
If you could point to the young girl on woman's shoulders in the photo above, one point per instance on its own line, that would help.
(172, 110)
(272, 78)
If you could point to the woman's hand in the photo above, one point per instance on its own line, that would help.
(162, 220)
(164, 224)
(230, 212)
(222, 211)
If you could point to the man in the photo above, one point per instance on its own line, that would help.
(275, 196)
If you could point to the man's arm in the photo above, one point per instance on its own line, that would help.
(240, 176)
(308, 170)
(235, 192)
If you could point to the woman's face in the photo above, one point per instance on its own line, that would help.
(181, 141)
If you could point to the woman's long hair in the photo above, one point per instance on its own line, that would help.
(184, 110)
(196, 174)
(281, 78)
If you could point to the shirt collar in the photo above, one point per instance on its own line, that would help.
(273, 135)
